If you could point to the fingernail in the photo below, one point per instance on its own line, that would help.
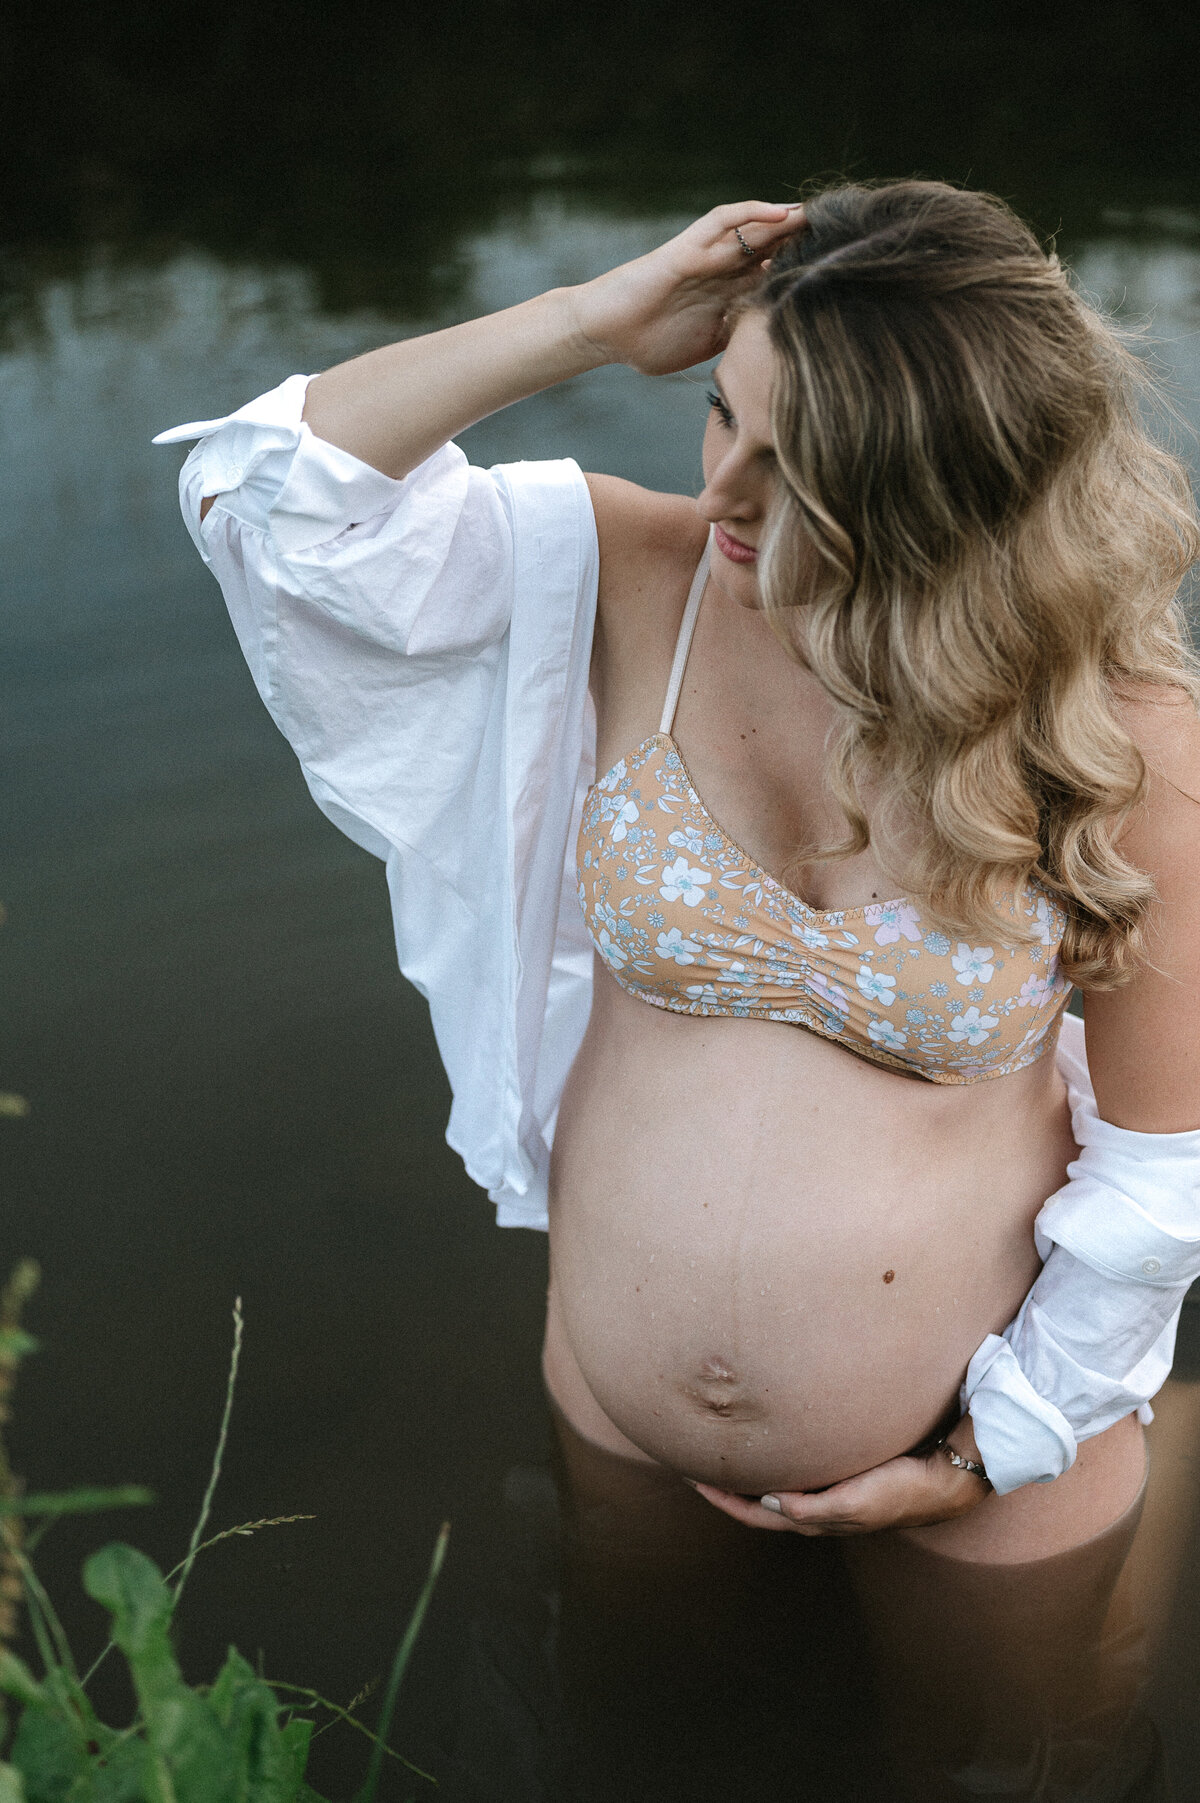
(773, 1503)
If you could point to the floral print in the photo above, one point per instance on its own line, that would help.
(680, 883)
(974, 964)
(973, 1027)
(876, 985)
(891, 919)
(685, 920)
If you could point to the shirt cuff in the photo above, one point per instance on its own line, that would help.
(1022, 1438)
(311, 493)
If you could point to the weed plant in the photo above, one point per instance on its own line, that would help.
(237, 1740)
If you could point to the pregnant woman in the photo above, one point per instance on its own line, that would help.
(747, 849)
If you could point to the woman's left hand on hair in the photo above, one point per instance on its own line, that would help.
(907, 1492)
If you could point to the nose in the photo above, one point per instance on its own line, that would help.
(726, 495)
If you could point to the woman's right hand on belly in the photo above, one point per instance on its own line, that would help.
(912, 1491)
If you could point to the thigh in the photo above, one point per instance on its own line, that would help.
(1017, 1675)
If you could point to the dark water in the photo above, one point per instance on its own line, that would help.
(232, 1091)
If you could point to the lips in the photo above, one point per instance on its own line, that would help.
(733, 548)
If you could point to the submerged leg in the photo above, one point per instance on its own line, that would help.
(1009, 1669)
(702, 1662)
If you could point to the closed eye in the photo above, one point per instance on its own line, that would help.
(719, 408)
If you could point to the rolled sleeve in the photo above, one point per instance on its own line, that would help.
(1095, 1337)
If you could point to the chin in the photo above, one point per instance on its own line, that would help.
(738, 582)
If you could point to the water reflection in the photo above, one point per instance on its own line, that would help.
(232, 1089)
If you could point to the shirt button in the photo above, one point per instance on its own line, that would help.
(234, 474)
(1151, 1266)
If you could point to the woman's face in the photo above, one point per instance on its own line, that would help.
(739, 461)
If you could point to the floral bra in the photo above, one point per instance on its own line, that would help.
(686, 921)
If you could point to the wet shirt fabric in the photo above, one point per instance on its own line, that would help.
(685, 920)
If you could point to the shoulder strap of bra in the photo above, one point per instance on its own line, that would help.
(683, 643)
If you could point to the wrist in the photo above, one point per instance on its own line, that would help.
(583, 341)
(961, 1439)
(961, 1450)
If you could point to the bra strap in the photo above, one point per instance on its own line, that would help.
(683, 643)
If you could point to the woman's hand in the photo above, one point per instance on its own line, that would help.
(662, 312)
(908, 1492)
(667, 310)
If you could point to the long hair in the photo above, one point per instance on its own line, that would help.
(999, 543)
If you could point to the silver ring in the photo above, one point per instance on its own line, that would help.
(748, 249)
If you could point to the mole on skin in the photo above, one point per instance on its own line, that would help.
(888, 1276)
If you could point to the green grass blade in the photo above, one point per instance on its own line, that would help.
(76, 1502)
(403, 1654)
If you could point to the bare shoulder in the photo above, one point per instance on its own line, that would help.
(646, 540)
(1165, 726)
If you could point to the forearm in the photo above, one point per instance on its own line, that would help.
(393, 407)
(1094, 1338)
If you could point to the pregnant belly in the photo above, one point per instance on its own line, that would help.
(771, 1261)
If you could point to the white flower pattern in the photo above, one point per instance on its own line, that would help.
(686, 899)
(876, 985)
(891, 919)
(674, 945)
(682, 883)
(973, 1027)
(974, 963)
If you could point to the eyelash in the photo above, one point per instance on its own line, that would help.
(719, 408)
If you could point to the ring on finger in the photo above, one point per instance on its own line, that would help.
(748, 249)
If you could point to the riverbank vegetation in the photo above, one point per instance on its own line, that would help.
(244, 1738)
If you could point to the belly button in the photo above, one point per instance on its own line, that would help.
(717, 1389)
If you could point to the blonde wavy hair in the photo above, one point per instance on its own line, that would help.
(999, 543)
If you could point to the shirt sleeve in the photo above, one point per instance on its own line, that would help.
(423, 645)
(1095, 1337)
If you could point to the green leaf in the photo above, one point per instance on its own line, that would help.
(190, 1758)
(76, 1502)
(17, 1681)
(118, 1777)
(294, 1738)
(131, 1588)
(49, 1752)
(15, 1343)
(11, 1788)
(270, 1760)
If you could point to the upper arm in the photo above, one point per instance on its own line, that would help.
(205, 504)
(1143, 1040)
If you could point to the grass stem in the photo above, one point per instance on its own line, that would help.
(218, 1456)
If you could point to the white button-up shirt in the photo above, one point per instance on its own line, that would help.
(424, 646)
